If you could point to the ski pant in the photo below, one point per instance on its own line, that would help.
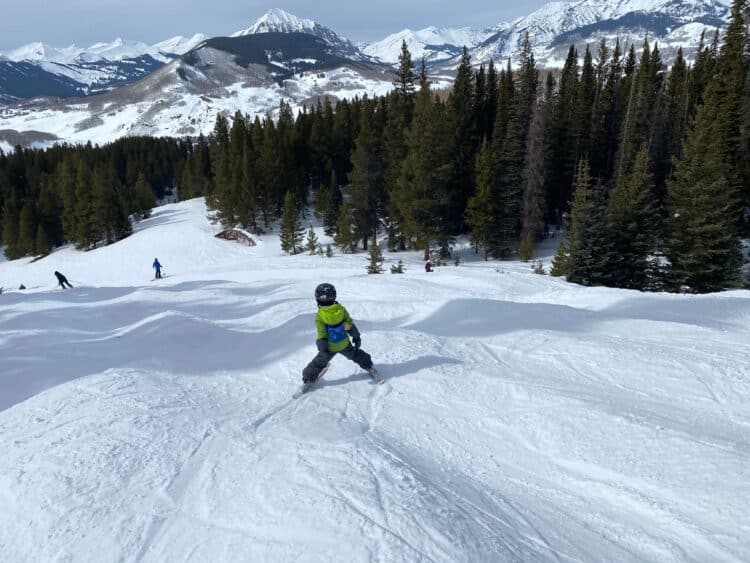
(358, 356)
(63, 282)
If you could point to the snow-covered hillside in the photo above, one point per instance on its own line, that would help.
(523, 419)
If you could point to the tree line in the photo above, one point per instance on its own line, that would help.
(644, 168)
(85, 195)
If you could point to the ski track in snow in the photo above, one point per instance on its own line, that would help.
(522, 418)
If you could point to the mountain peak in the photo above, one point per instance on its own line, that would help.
(278, 20)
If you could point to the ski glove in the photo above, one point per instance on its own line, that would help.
(322, 345)
(357, 340)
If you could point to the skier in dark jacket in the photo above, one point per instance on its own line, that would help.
(62, 281)
(156, 266)
(334, 327)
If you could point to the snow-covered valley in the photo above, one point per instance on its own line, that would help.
(522, 418)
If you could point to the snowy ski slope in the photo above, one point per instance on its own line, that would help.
(523, 419)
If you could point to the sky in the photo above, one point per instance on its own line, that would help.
(84, 22)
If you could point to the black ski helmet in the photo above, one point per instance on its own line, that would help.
(325, 294)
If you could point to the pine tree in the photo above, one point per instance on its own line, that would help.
(422, 197)
(26, 230)
(528, 88)
(491, 97)
(375, 263)
(482, 213)
(398, 268)
(462, 128)
(533, 204)
(144, 198)
(10, 229)
(676, 105)
(633, 228)
(705, 199)
(564, 138)
(578, 256)
(311, 245)
(605, 120)
(41, 244)
(510, 164)
(404, 80)
(366, 203)
(585, 102)
(291, 234)
(526, 248)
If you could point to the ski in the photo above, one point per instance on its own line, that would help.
(306, 387)
(376, 377)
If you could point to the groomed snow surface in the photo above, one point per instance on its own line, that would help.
(522, 418)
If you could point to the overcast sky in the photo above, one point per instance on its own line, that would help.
(62, 22)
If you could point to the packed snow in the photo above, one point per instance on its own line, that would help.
(522, 418)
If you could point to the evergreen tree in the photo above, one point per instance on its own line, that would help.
(528, 88)
(404, 80)
(26, 230)
(633, 229)
(375, 262)
(311, 245)
(586, 101)
(220, 162)
(41, 244)
(422, 196)
(462, 128)
(366, 190)
(10, 229)
(605, 120)
(578, 256)
(291, 234)
(144, 200)
(526, 248)
(705, 211)
(533, 205)
(564, 138)
(398, 268)
(482, 213)
(676, 105)
(491, 98)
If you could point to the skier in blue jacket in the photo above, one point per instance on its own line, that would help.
(156, 266)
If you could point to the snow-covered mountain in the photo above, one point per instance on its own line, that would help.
(39, 69)
(251, 73)
(523, 419)
(555, 26)
(279, 21)
(431, 43)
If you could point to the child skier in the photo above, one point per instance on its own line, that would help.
(156, 266)
(335, 326)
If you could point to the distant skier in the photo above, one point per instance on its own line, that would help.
(156, 266)
(62, 281)
(334, 327)
(428, 266)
